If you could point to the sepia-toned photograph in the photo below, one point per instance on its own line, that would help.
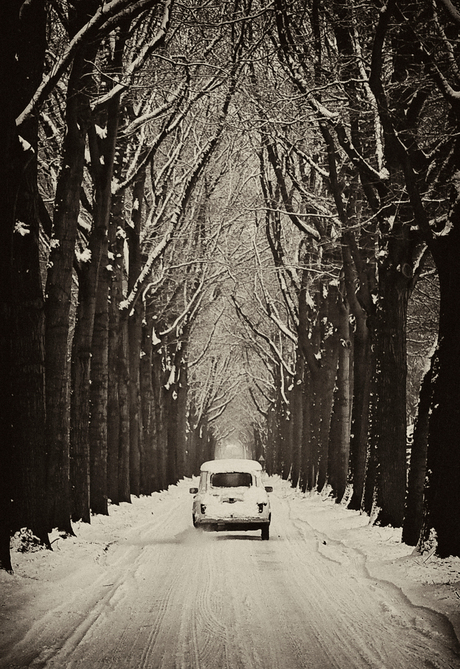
(230, 334)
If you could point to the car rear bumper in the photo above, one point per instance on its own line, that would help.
(222, 525)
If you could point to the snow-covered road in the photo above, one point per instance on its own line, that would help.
(164, 595)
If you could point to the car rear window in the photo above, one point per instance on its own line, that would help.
(231, 479)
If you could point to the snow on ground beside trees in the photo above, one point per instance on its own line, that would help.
(43, 578)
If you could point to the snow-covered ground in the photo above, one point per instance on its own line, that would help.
(142, 589)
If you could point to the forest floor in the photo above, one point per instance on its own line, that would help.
(141, 588)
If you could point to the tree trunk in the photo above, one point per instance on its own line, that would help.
(327, 376)
(59, 291)
(135, 334)
(113, 397)
(368, 501)
(172, 434)
(103, 165)
(284, 442)
(10, 177)
(298, 400)
(149, 460)
(25, 433)
(389, 419)
(94, 290)
(307, 454)
(117, 361)
(340, 430)
(160, 420)
(59, 284)
(194, 465)
(113, 402)
(315, 431)
(80, 407)
(443, 489)
(413, 517)
(362, 375)
(278, 436)
(99, 397)
(123, 397)
(181, 401)
(27, 388)
(272, 419)
(81, 367)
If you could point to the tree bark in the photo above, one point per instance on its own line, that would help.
(341, 416)
(59, 294)
(327, 378)
(443, 490)
(362, 375)
(135, 334)
(80, 407)
(160, 420)
(148, 465)
(306, 454)
(113, 401)
(123, 396)
(389, 419)
(81, 363)
(181, 401)
(172, 433)
(193, 464)
(99, 396)
(414, 512)
(94, 291)
(113, 396)
(117, 362)
(298, 400)
(26, 431)
(10, 176)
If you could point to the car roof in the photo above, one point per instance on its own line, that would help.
(230, 465)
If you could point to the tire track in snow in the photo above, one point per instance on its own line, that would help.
(178, 626)
(172, 598)
(202, 629)
(283, 604)
(53, 639)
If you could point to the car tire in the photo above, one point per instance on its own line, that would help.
(266, 533)
(194, 520)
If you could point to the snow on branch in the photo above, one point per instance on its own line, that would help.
(105, 19)
(256, 403)
(155, 113)
(177, 217)
(269, 308)
(196, 297)
(220, 408)
(302, 154)
(136, 65)
(205, 349)
(263, 336)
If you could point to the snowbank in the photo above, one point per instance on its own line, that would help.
(425, 579)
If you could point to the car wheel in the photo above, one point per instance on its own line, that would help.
(194, 520)
(266, 533)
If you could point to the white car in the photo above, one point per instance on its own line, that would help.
(232, 496)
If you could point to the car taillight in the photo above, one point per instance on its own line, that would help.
(203, 509)
(261, 507)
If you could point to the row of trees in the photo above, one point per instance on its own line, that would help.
(168, 168)
(114, 113)
(364, 166)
